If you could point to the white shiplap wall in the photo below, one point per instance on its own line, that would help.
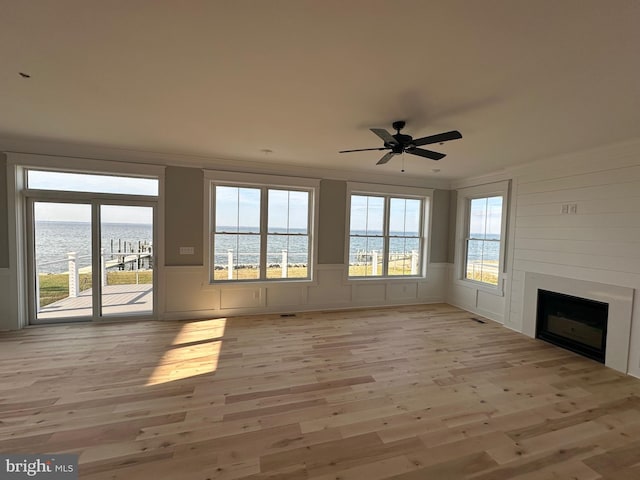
(599, 243)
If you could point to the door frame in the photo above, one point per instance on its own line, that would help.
(97, 267)
(95, 201)
(32, 294)
(17, 165)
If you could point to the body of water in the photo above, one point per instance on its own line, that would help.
(246, 247)
(54, 240)
(484, 250)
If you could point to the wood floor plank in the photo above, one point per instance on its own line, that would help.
(411, 392)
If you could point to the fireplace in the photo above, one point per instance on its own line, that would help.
(619, 314)
(577, 324)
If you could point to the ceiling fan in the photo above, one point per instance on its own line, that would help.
(400, 143)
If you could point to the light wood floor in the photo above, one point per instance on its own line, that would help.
(405, 393)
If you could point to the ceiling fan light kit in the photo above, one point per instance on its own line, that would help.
(400, 143)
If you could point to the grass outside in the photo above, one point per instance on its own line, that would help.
(486, 271)
(396, 268)
(254, 273)
(55, 286)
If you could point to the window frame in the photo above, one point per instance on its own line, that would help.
(28, 187)
(264, 183)
(18, 194)
(387, 192)
(465, 197)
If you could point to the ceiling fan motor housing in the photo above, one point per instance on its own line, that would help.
(403, 140)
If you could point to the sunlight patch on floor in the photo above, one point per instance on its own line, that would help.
(194, 351)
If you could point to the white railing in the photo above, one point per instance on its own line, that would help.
(365, 258)
(362, 258)
(231, 266)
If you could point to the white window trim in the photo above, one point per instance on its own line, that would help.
(465, 195)
(219, 177)
(424, 194)
(19, 163)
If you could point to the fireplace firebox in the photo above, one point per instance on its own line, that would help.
(577, 324)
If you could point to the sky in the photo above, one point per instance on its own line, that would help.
(79, 182)
(367, 214)
(240, 207)
(486, 216)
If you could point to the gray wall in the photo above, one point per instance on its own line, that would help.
(4, 214)
(331, 221)
(439, 235)
(183, 215)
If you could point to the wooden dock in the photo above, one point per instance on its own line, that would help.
(124, 259)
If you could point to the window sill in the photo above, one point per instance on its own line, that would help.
(412, 278)
(306, 282)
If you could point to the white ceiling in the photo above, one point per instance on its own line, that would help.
(521, 79)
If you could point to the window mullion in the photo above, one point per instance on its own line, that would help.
(385, 234)
(212, 232)
(422, 239)
(264, 231)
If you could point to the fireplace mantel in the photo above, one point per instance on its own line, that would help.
(620, 300)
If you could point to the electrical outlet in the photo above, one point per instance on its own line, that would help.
(573, 208)
(565, 208)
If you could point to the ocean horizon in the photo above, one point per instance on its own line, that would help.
(54, 240)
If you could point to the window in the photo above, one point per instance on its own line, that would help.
(261, 232)
(91, 183)
(483, 224)
(386, 235)
(483, 240)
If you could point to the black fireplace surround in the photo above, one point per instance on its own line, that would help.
(577, 324)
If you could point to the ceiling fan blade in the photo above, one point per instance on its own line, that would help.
(384, 135)
(386, 158)
(363, 150)
(421, 152)
(440, 137)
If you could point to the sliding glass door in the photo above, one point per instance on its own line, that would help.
(62, 261)
(90, 260)
(126, 249)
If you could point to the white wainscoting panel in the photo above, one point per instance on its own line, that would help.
(286, 296)
(475, 299)
(242, 298)
(402, 291)
(184, 293)
(490, 305)
(434, 289)
(187, 296)
(364, 292)
(331, 289)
